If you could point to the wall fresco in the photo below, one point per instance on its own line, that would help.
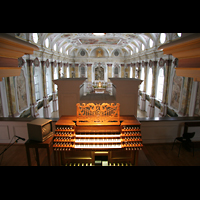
(197, 103)
(21, 91)
(176, 90)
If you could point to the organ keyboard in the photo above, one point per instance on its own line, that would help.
(76, 140)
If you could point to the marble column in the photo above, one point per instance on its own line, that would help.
(167, 70)
(154, 78)
(10, 97)
(65, 69)
(52, 75)
(31, 87)
(43, 64)
(89, 72)
(122, 71)
(76, 70)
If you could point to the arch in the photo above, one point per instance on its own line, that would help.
(103, 52)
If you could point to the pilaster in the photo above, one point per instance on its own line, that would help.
(43, 63)
(154, 78)
(167, 70)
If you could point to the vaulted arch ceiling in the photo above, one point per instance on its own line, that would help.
(126, 42)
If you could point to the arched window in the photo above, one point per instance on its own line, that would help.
(37, 83)
(149, 83)
(150, 43)
(160, 84)
(179, 34)
(83, 71)
(48, 80)
(35, 37)
(142, 78)
(143, 47)
(136, 72)
(116, 72)
(55, 47)
(162, 38)
(47, 43)
(131, 72)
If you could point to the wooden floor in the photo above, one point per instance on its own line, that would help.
(151, 155)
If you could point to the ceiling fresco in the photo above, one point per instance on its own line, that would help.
(109, 41)
(126, 43)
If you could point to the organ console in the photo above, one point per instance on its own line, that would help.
(97, 130)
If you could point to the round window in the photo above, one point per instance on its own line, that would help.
(82, 52)
(116, 53)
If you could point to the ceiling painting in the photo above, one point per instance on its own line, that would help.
(109, 41)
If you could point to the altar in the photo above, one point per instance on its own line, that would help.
(100, 87)
(99, 90)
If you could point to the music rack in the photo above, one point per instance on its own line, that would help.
(78, 140)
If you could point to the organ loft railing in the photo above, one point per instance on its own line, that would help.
(98, 113)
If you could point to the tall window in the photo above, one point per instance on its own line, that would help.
(83, 71)
(48, 80)
(37, 83)
(162, 38)
(55, 76)
(35, 37)
(136, 72)
(131, 72)
(160, 84)
(116, 72)
(149, 83)
(47, 43)
(142, 78)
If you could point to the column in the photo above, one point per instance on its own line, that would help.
(138, 64)
(109, 67)
(122, 71)
(128, 70)
(76, 71)
(9, 97)
(71, 72)
(55, 107)
(109, 89)
(31, 87)
(154, 78)
(59, 69)
(151, 109)
(89, 72)
(143, 98)
(133, 67)
(46, 106)
(164, 104)
(65, 70)
(43, 63)
(52, 76)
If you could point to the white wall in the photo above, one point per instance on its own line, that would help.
(154, 131)
(165, 131)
